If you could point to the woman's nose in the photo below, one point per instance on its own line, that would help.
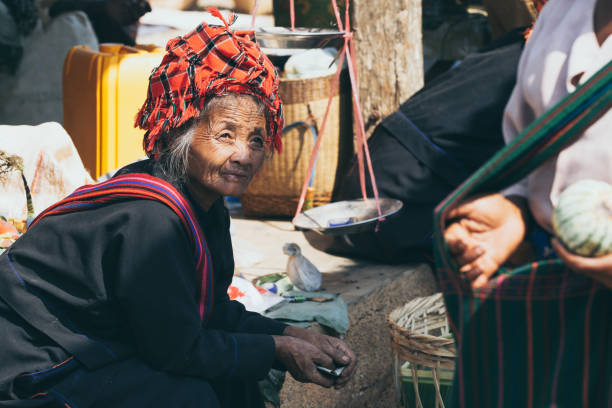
(241, 152)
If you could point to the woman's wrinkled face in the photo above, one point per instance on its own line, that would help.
(227, 149)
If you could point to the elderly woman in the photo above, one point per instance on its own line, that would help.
(117, 295)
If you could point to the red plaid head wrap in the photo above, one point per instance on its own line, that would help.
(207, 62)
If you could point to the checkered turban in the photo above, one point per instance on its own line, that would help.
(209, 61)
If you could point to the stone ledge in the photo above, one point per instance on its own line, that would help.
(371, 291)
(368, 336)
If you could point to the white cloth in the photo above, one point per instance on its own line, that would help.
(52, 167)
(563, 51)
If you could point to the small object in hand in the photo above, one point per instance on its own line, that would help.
(333, 373)
(300, 270)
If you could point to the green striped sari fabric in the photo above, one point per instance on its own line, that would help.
(538, 335)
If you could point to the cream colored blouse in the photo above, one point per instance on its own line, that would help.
(562, 52)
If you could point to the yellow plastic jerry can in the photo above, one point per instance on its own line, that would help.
(102, 92)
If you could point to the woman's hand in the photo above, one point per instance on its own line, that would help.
(333, 347)
(599, 268)
(300, 357)
(484, 233)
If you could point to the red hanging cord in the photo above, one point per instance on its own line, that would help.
(315, 148)
(352, 66)
(254, 14)
(361, 141)
(358, 147)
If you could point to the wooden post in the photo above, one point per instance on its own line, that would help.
(389, 53)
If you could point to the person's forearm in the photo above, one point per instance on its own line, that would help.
(233, 317)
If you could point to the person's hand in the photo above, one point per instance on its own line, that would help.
(483, 234)
(599, 268)
(335, 348)
(126, 12)
(300, 357)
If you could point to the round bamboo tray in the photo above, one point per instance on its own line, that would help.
(420, 335)
(276, 188)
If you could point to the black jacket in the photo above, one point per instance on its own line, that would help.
(119, 282)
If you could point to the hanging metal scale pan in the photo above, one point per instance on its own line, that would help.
(346, 217)
(301, 38)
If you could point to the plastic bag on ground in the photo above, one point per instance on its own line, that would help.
(253, 298)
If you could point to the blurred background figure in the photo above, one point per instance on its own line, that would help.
(17, 20)
(113, 21)
(507, 15)
(39, 33)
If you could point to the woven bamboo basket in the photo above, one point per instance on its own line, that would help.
(421, 336)
(276, 188)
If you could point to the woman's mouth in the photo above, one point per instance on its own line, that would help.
(235, 175)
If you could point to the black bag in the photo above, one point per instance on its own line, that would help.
(425, 149)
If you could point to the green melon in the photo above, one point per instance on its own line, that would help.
(582, 218)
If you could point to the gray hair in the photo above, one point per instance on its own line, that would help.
(174, 157)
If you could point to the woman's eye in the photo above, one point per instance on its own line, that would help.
(257, 142)
(225, 136)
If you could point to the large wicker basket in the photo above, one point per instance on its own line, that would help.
(420, 335)
(276, 188)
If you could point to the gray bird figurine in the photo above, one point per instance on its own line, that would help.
(300, 270)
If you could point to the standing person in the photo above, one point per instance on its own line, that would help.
(117, 295)
(570, 42)
(507, 15)
(114, 21)
(533, 329)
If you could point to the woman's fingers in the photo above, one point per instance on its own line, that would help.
(470, 255)
(324, 380)
(462, 245)
(347, 373)
(316, 376)
(480, 281)
(479, 271)
(342, 355)
(598, 268)
(322, 359)
(347, 359)
(475, 263)
(575, 262)
(329, 352)
(462, 210)
(471, 271)
(457, 238)
(301, 358)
